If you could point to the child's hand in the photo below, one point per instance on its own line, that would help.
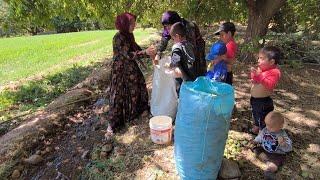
(252, 141)
(281, 141)
(254, 72)
(258, 71)
(177, 73)
(210, 65)
(167, 65)
(252, 144)
(216, 60)
(156, 60)
(157, 57)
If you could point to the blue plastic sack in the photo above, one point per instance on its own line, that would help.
(218, 73)
(202, 126)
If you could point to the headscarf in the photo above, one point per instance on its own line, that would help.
(122, 24)
(169, 17)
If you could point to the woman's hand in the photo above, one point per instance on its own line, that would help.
(151, 51)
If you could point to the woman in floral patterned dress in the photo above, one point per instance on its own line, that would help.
(128, 91)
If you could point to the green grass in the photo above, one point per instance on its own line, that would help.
(63, 60)
(39, 92)
(23, 57)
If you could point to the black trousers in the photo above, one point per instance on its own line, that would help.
(229, 78)
(260, 108)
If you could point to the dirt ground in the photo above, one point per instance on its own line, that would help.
(297, 97)
(79, 151)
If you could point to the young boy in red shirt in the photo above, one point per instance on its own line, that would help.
(264, 79)
(226, 32)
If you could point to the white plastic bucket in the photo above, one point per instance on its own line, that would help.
(161, 129)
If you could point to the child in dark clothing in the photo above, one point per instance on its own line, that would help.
(264, 79)
(182, 56)
(273, 143)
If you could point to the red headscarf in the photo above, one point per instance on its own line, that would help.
(122, 24)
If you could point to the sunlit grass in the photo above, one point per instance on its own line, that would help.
(23, 57)
(62, 60)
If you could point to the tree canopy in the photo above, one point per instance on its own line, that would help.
(32, 15)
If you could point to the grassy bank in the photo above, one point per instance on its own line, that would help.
(44, 67)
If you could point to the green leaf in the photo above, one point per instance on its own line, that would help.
(305, 174)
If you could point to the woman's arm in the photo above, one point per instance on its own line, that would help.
(162, 45)
(146, 52)
(141, 54)
(121, 49)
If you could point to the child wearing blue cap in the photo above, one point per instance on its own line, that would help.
(219, 71)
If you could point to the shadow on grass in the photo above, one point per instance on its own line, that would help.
(37, 94)
(132, 150)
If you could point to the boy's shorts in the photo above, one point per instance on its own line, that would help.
(260, 108)
(229, 78)
(277, 159)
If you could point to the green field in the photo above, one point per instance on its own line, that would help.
(60, 60)
(23, 57)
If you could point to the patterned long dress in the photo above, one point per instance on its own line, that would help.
(128, 91)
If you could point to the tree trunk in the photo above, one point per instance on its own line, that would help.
(260, 13)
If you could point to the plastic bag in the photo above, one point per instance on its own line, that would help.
(218, 73)
(164, 98)
(202, 125)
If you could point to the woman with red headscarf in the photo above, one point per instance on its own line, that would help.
(128, 91)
